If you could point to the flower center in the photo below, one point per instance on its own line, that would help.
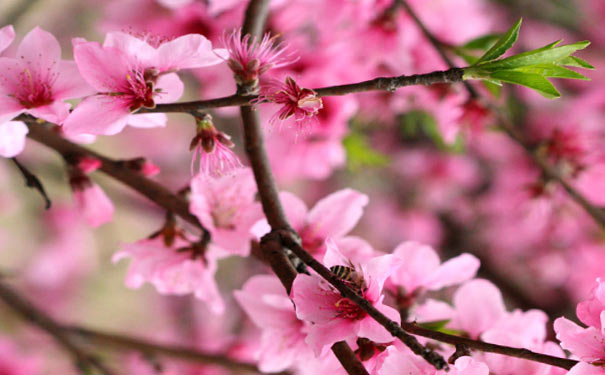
(347, 309)
(223, 216)
(141, 89)
(34, 91)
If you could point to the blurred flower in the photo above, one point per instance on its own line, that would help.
(212, 147)
(12, 138)
(94, 205)
(7, 34)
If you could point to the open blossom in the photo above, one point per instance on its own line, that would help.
(336, 318)
(249, 59)
(299, 103)
(213, 149)
(586, 343)
(130, 73)
(264, 300)
(172, 268)
(226, 207)
(37, 81)
(12, 138)
(332, 217)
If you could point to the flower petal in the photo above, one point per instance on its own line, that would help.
(7, 34)
(187, 52)
(12, 138)
(170, 88)
(40, 52)
(336, 214)
(69, 83)
(455, 271)
(99, 114)
(104, 68)
(479, 305)
(55, 112)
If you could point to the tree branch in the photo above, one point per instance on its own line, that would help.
(29, 312)
(32, 181)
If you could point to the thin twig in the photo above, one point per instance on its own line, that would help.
(121, 341)
(32, 181)
(29, 312)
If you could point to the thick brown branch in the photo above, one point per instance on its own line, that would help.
(150, 189)
(490, 348)
(29, 312)
(120, 341)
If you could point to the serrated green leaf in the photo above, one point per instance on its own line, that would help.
(552, 71)
(482, 43)
(545, 55)
(503, 44)
(533, 81)
(434, 325)
(576, 62)
(361, 154)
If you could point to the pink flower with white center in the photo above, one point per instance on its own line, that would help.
(332, 217)
(249, 59)
(586, 343)
(130, 73)
(335, 318)
(299, 103)
(37, 81)
(172, 267)
(265, 301)
(213, 149)
(421, 269)
(12, 138)
(7, 35)
(226, 207)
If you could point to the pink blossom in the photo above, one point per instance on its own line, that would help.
(89, 164)
(14, 362)
(130, 73)
(586, 343)
(249, 59)
(226, 207)
(401, 360)
(172, 269)
(282, 344)
(299, 103)
(332, 217)
(7, 34)
(37, 81)
(12, 138)
(95, 206)
(336, 318)
(420, 268)
(213, 148)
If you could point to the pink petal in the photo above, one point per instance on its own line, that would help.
(371, 329)
(586, 343)
(376, 271)
(418, 262)
(170, 88)
(455, 271)
(333, 256)
(105, 69)
(589, 312)
(9, 109)
(401, 362)
(336, 214)
(137, 50)
(69, 83)
(313, 299)
(296, 210)
(321, 337)
(468, 366)
(11, 70)
(187, 52)
(7, 34)
(99, 114)
(478, 305)
(40, 52)
(55, 112)
(148, 120)
(12, 138)
(94, 204)
(584, 368)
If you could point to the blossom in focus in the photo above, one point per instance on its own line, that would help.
(588, 344)
(37, 81)
(299, 103)
(130, 73)
(213, 149)
(249, 59)
(282, 344)
(12, 138)
(332, 217)
(336, 318)
(227, 208)
(172, 267)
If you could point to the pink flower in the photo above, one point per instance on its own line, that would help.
(14, 362)
(95, 206)
(300, 103)
(7, 34)
(226, 207)
(249, 59)
(172, 269)
(401, 360)
(586, 343)
(335, 318)
(12, 138)
(129, 73)
(420, 269)
(332, 217)
(89, 164)
(282, 344)
(37, 81)
(213, 148)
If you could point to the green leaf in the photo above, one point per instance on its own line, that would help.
(434, 325)
(552, 71)
(494, 87)
(576, 62)
(361, 154)
(503, 44)
(482, 43)
(545, 55)
(531, 80)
